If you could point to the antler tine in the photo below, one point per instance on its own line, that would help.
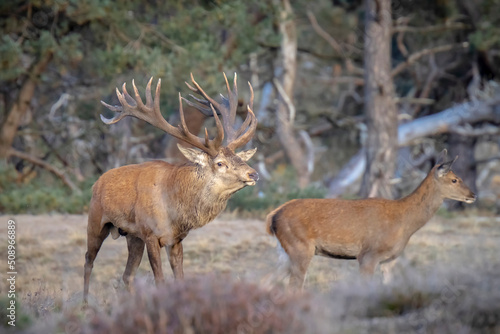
(227, 108)
(248, 119)
(205, 111)
(232, 97)
(121, 111)
(250, 105)
(150, 112)
(220, 129)
(243, 137)
(212, 145)
(231, 104)
(201, 92)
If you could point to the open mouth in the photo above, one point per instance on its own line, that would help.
(470, 200)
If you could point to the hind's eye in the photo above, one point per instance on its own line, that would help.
(454, 180)
(220, 164)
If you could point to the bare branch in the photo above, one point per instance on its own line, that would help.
(430, 29)
(417, 55)
(309, 145)
(47, 166)
(400, 43)
(286, 99)
(326, 36)
(469, 131)
(345, 79)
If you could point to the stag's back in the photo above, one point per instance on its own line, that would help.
(120, 192)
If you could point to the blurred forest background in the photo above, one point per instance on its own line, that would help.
(353, 98)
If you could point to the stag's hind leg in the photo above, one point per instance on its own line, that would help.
(95, 238)
(135, 247)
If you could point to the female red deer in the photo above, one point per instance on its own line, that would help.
(155, 204)
(373, 230)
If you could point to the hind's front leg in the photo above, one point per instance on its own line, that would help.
(367, 264)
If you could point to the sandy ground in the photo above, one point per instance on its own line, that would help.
(51, 249)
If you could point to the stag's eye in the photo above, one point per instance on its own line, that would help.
(220, 164)
(454, 180)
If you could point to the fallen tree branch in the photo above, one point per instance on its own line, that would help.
(47, 166)
(415, 100)
(442, 122)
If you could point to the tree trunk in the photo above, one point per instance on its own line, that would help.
(8, 129)
(380, 109)
(284, 123)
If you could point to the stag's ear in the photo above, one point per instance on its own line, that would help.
(194, 155)
(445, 167)
(246, 155)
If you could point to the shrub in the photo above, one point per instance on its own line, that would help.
(40, 195)
(206, 304)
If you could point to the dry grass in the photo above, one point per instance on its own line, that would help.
(448, 281)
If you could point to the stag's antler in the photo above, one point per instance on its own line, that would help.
(227, 108)
(150, 112)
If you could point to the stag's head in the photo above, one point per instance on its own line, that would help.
(216, 158)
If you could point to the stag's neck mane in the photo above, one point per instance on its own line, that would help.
(201, 200)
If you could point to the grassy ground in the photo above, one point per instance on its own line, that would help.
(455, 259)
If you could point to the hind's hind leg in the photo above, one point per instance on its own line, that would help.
(95, 238)
(300, 255)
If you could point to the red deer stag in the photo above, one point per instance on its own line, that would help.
(372, 230)
(155, 204)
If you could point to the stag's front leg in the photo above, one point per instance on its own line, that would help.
(135, 250)
(153, 248)
(175, 256)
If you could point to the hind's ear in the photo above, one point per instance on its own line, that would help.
(443, 168)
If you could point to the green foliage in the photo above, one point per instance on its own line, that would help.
(486, 35)
(268, 195)
(396, 303)
(41, 195)
(445, 213)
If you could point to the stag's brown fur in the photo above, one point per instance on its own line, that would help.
(155, 204)
(372, 230)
